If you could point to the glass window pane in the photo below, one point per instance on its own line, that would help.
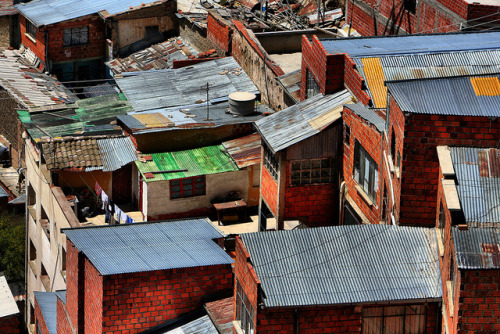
(187, 187)
(325, 163)
(306, 164)
(187, 193)
(175, 195)
(199, 179)
(187, 181)
(199, 186)
(175, 188)
(315, 164)
(315, 173)
(295, 165)
(175, 182)
(199, 192)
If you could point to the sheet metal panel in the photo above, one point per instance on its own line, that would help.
(245, 151)
(447, 96)
(48, 306)
(470, 248)
(203, 325)
(148, 90)
(131, 248)
(345, 264)
(412, 44)
(478, 184)
(291, 125)
(8, 305)
(199, 161)
(116, 152)
(45, 12)
(368, 115)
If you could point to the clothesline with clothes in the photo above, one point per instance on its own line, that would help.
(114, 215)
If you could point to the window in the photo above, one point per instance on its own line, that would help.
(44, 277)
(409, 319)
(311, 171)
(188, 187)
(31, 29)
(365, 171)
(76, 36)
(271, 162)
(245, 314)
(312, 87)
(410, 6)
(63, 263)
(393, 145)
(347, 134)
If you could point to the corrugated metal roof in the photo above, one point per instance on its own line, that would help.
(375, 80)
(21, 199)
(291, 84)
(368, 115)
(201, 325)
(48, 306)
(345, 264)
(149, 90)
(447, 96)
(116, 152)
(61, 294)
(245, 151)
(199, 161)
(3, 192)
(8, 305)
(189, 117)
(292, 125)
(86, 117)
(45, 12)
(477, 248)
(31, 90)
(478, 178)
(158, 56)
(143, 247)
(412, 44)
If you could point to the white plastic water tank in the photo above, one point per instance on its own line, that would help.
(242, 103)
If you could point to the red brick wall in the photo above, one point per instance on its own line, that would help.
(355, 82)
(219, 32)
(95, 47)
(40, 320)
(138, 301)
(327, 69)
(362, 22)
(93, 299)
(457, 6)
(315, 204)
(63, 320)
(483, 13)
(479, 307)
(10, 324)
(39, 47)
(246, 276)
(370, 139)
(420, 165)
(269, 190)
(74, 285)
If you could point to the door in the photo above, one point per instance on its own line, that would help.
(122, 185)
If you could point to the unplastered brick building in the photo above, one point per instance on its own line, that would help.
(300, 161)
(376, 18)
(75, 39)
(467, 226)
(400, 160)
(306, 287)
(129, 278)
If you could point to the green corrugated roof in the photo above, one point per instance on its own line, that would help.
(199, 161)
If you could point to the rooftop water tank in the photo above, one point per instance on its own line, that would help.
(241, 103)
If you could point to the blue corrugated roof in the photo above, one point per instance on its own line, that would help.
(345, 264)
(45, 12)
(446, 96)
(367, 114)
(61, 294)
(48, 306)
(411, 44)
(478, 178)
(142, 247)
(469, 252)
(3, 192)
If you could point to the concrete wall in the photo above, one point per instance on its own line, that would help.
(156, 195)
(4, 31)
(130, 31)
(60, 215)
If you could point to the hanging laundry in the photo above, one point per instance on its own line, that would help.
(129, 220)
(118, 213)
(98, 189)
(104, 199)
(123, 217)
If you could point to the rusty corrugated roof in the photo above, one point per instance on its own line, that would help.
(245, 151)
(477, 248)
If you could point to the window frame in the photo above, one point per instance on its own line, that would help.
(390, 312)
(306, 165)
(245, 313)
(312, 87)
(194, 181)
(75, 31)
(271, 162)
(363, 162)
(31, 29)
(347, 135)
